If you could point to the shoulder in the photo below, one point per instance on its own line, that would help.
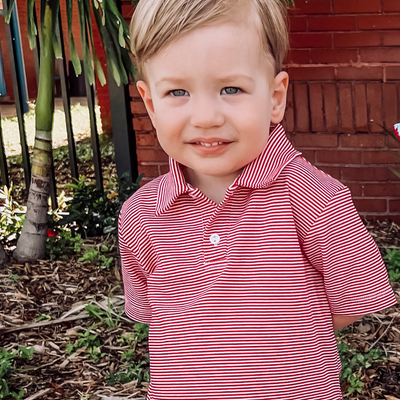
(306, 180)
(140, 205)
(311, 191)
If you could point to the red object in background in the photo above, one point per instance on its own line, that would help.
(396, 129)
(51, 233)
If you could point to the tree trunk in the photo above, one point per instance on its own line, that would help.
(32, 242)
(3, 256)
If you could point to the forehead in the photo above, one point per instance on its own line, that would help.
(219, 47)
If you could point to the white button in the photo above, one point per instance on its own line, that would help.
(214, 239)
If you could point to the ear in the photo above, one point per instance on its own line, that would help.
(280, 86)
(145, 93)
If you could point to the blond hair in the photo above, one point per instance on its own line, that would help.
(156, 23)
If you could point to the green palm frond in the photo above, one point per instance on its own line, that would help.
(114, 33)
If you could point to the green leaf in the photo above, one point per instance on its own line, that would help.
(55, 9)
(87, 62)
(115, 72)
(121, 37)
(32, 29)
(9, 11)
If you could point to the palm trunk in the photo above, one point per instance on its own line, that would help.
(3, 256)
(32, 242)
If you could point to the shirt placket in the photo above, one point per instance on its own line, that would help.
(215, 237)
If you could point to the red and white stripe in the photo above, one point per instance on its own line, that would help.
(248, 318)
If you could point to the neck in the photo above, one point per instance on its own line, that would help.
(213, 187)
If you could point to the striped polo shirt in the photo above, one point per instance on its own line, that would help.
(239, 295)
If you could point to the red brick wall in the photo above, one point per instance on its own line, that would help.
(344, 66)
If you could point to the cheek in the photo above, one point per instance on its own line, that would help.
(169, 119)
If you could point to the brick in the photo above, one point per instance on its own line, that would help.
(315, 140)
(391, 173)
(391, 38)
(362, 140)
(390, 104)
(151, 155)
(311, 73)
(289, 136)
(338, 156)
(380, 157)
(382, 54)
(356, 6)
(309, 155)
(370, 205)
(144, 181)
(298, 57)
(289, 113)
(357, 39)
(363, 73)
(133, 92)
(310, 40)
(368, 22)
(391, 142)
(379, 190)
(394, 206)
(364, 173)
(355, 188)
(149, 171)
(330, 106)
(360, 108)
(346, 108)
(301, 108)
(374, 100)
(127, 11)
(391, 5)
(333, 56)
(312, 7)
(298, 24)
(392, 73)
(332, 171)
(137, 107)
(164, 169)
(332, 23)
(142, 124)
(316, 107)
(146, 139)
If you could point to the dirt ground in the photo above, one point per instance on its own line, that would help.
(58, 291)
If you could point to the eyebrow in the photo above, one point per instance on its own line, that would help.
(226, 79)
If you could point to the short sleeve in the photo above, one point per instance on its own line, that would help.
(340, 247)
(137, 306)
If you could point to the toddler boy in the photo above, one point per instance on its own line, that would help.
(244, 258)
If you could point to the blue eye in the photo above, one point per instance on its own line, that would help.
(178, 92)
(230, 90)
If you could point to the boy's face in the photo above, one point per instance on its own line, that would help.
(211, 97)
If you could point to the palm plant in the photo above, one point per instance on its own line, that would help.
(114, 33)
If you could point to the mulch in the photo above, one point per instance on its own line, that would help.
(61, 289)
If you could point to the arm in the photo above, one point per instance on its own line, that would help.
(340, 321)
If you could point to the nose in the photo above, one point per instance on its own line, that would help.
(206, 113)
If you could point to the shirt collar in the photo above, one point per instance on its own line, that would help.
(261, 172)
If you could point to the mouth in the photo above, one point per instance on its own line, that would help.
(208, 144)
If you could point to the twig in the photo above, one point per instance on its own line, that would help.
(377, 340)
(82, 315)
(38, 394)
